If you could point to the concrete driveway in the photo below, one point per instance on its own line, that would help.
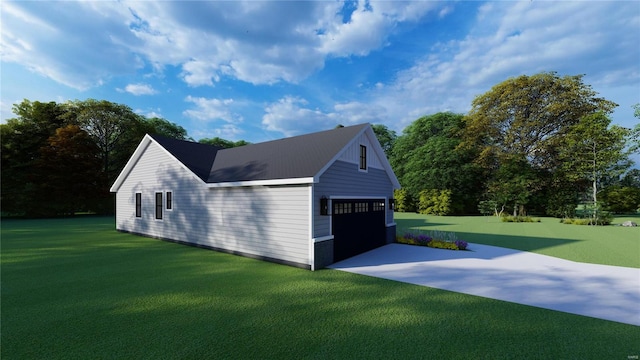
(599, 291)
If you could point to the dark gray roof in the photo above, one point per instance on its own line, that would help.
(195, 156)
(294, 157)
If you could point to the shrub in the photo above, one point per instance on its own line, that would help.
(602, 220)
(509, 218)
(487, 207)
(435, 202)
(404, 201)
(435, 239)
(621, 199)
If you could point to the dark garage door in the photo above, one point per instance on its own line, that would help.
(358, 225)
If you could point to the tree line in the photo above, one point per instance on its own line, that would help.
(61, 158)
(538, 144)
(532, 144)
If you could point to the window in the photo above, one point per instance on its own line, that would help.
(362, 207)
(169, 200)
(158, 205)
(342, 208)
(363, 157)
(138, 204)
(378, 206)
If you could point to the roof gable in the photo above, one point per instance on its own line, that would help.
(298, 159)
(294, 157)
(198, 158)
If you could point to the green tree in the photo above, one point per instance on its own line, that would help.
(386, 138)
(404, 201)
(106, 123)
(22, 137)
(526, 119)
(69, 168)
(427, 156)
(513, 185)
(594, 150)
(634, 136)
(435, 202)
(621, 199)
(223, 143)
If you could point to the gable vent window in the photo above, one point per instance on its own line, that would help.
(138, 204)
(169, 200)
(363, 157)
(159, 205)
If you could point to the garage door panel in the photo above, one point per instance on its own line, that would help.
(358, 225)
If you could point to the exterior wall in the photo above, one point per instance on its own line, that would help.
(344, 180)
(262, 221)
(352, 153)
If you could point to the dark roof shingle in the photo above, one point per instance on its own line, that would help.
(294, 157)
(197, 157)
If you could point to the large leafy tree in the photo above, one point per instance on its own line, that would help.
(594, 151)
(525, 120)
(49, 161)
(68, 167)
(527, 116)
(427, 156)
(22, 138)
(106, 123)
(386, 138)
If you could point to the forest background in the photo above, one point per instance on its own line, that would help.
(540, 144)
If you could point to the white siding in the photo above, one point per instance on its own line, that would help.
(352, 153)
(270, 221)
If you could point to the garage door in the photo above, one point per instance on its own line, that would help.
(358, 225)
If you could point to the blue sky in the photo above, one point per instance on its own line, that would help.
(262, 70)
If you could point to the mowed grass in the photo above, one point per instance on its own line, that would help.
(608, 245)
(77, 289)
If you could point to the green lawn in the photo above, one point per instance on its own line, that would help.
(608, 245)
(77, 289)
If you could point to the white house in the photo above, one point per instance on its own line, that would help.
(306, 201)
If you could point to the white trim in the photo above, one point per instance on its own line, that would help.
(391, 224)
(291, 181)
(322, 238)
(142, 147)
(316, 178)
(137, 154)
(357, 197)
(346, 197)
(375, 145)
(312, 249)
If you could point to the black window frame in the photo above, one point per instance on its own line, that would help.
(169, 200)
(159, 205)
(138, 205)
(363, 157)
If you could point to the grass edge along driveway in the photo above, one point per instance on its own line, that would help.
(75, 288)
(606, 245)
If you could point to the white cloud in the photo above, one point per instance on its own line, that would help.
(69, 42)
(211, 110)
(140, 89)
(512, 39)
(291, 116)
(257, 42)
(226, 131)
